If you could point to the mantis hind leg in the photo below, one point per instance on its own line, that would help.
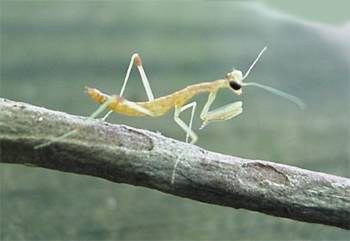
(135, 60)
(130, 104)
(72, 132)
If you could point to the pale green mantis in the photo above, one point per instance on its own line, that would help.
(178, 100)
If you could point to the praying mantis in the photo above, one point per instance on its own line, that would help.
(179, 100)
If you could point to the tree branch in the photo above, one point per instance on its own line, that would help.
(127, 155)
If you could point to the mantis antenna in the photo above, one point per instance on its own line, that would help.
(289, 97)
(280, 93)
(253, 64)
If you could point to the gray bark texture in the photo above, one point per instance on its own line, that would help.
(138, 157)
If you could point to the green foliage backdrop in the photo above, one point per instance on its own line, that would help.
(50, 50)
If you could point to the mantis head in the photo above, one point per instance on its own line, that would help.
(236, 78)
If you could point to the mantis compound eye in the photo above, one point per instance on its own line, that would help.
(234, 85)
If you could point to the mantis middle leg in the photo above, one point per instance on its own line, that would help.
(183, 125)
(186, 128)
(135, 60)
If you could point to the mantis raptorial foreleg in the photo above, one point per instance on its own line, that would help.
(225, 112)
(135, 60)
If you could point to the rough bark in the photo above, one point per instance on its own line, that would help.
(124, 154)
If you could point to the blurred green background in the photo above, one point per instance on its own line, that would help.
(50, 50)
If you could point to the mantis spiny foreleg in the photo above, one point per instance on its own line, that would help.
(225, 112)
